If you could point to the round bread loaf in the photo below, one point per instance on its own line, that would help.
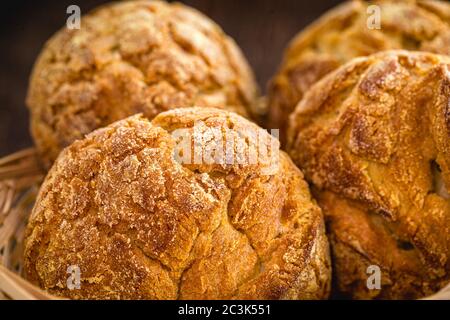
(348, 31)
(136, 222)
(133, 57)
(373, 137)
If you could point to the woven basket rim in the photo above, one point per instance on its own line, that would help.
(19, 172)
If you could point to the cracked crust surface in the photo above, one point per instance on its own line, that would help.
(342, 34)
(133, 57)
(141, 225)
(374, 137)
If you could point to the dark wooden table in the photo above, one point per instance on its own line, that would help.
(261, 27)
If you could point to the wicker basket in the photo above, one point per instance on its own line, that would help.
(20, 177)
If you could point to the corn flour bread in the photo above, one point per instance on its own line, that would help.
(132, 57)
(140, 224)
(373, 137)
(347, 32)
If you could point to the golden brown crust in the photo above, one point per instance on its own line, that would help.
(376, 132)
(141, 225)
(361, 238)
(342, 34)
(132, 57)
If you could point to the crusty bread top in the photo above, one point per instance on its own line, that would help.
(377, 130)
(343, 33)
(141, 225)
(131, 57)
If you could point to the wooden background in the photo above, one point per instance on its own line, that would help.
(261, 27)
